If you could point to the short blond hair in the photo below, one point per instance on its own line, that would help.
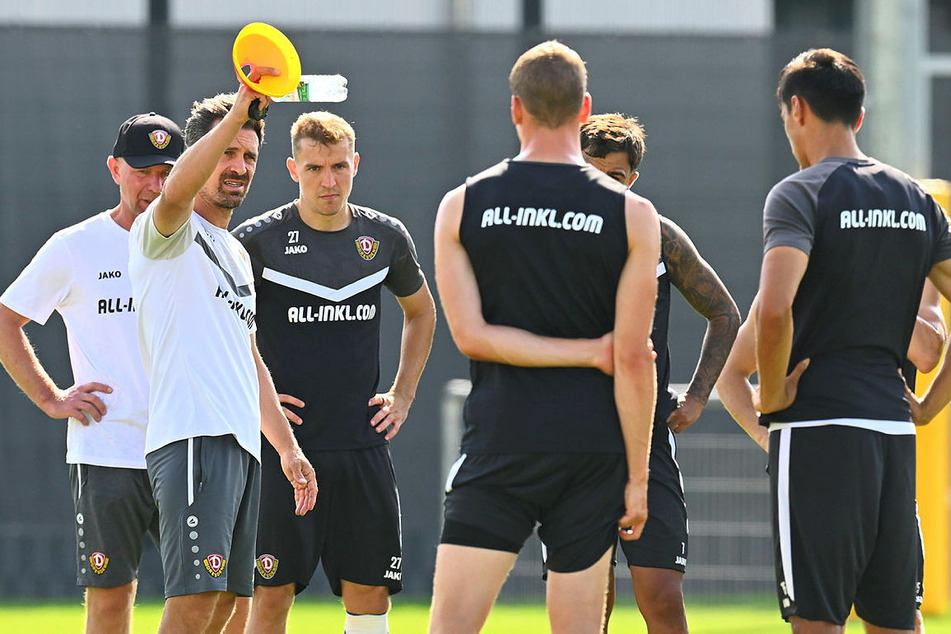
(550, 79)
(322, 127)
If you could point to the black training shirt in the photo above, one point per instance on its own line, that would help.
(318, 314)
(872, 235)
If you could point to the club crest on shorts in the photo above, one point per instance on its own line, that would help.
(160, 138)
(367, 247)
(267, 565)
(215, 564)
(98, 562)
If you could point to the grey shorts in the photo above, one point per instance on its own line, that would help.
(114, 512)
(207, 490)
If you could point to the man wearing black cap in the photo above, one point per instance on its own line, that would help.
(82, 272)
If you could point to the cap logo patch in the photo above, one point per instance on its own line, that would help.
(98, 562)
(215, 564)
(160, 138)
(367, 247)
(266, 565)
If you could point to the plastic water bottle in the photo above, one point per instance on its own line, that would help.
(318, 88)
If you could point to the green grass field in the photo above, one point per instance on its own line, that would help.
(411, 618)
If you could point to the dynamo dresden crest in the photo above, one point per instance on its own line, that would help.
(160, 138)
(267, 565)
(367, 247)
(215, 564)
(98, 562)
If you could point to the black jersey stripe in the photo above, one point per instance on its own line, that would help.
(325, 292)
(240, 291)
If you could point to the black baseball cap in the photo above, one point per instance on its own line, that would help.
(149, 139)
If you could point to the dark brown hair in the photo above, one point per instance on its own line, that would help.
(206, 112)
(602, 134)
(828, 81)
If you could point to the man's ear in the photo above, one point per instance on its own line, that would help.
(292, 169)
(113, 164)
(633, 178)
(859, 121)
(798, 108)
(518, 110)
(585, 108)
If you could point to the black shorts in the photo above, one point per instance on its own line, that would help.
(844, 524)
(920, 578)
(207, 490)
(663, 544)
(495, 500)
(354, 529)
(114, 512)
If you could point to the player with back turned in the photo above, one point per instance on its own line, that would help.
(541, 261)
(849, 242)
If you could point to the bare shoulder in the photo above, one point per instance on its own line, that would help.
(638, 205)
(643, 225)
(449, 214)
(453, 199)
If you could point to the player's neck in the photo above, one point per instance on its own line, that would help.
(218, 216)
(122, 216)
(550, 145)
(832, 142)
(324, 222)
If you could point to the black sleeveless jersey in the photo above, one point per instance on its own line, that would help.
(872, 235)
(547, 242)
(666, 399)
(318, 300)
(910, 372)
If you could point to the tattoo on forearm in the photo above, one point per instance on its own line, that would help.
(698, 283)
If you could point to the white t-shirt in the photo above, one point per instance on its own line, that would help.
(194, 294)
(82, 273)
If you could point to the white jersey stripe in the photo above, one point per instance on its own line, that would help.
(325, 292)
(890, 427)
(661, 269)
(782, 506)
(921, 544)
(191, 471)
(79, 480)
(673, 454)
(453, 471)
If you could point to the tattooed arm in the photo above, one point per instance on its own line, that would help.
(701, 287)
